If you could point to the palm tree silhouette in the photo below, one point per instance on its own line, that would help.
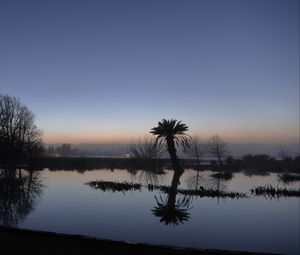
(172, 132)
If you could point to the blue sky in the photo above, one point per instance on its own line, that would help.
(101, 71)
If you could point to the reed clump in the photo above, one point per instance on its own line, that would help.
(287, 178)
(202, 192)
(114, 186)
(273, 192)
(213, 193)
(130, 186)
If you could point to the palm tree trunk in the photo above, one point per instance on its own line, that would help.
(172, 151)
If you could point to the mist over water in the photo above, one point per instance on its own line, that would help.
(235, 149)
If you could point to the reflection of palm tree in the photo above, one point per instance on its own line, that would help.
(173, 133)
(19, 191)
(172, 210)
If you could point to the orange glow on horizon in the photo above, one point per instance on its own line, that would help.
(87, 138)
(240, 136)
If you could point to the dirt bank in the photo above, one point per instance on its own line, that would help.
(20, 241)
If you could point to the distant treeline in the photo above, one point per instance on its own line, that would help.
(253, 163)
(264, 162)
(92, 163)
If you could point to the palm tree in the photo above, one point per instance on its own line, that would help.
(172, 132)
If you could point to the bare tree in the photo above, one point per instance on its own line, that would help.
(196, 149)
(33, 141)
(283, 153)
(18, 132)
(145, 149)
(216, 147)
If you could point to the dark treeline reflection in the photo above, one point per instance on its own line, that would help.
(19, 193)
(262, 166)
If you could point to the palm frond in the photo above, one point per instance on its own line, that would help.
(173, 129)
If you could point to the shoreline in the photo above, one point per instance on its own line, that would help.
(17, 240)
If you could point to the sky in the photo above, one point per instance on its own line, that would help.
(108, 71)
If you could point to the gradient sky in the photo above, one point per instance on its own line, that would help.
(107, 71)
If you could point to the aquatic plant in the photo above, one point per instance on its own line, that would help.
(213, 193)
(270, 191)
(131, 186)
(114, 186)
(202, 192)
(287, 178)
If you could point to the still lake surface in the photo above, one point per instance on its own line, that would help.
(61, 201)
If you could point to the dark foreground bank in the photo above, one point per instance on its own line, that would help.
(20, 241)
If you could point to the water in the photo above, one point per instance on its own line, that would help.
(61, 201)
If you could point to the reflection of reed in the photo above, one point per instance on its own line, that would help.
(148, 177)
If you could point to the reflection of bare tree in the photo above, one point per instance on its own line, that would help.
(196, 181)
(148, 177)
(19, 191)
(216, 183)
(172, 210)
